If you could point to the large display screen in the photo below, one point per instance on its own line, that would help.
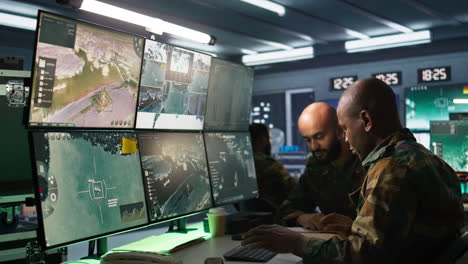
(232, 168)
(449, 140)
(173, 89)
(229, 97)
(89, 184)
(176, 173)
(426, 103)
(84, 75)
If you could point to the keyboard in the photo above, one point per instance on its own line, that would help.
(243, 253)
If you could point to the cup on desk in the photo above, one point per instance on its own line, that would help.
(217, 221)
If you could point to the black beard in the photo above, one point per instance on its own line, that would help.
(332, 154)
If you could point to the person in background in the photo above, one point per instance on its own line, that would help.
(332, 172)
(410, 206)
(274, 182)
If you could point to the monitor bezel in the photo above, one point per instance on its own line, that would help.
(27, 121)
(37, 199)
(156, 221)
(217, 204)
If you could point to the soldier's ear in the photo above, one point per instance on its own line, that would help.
(366, 119)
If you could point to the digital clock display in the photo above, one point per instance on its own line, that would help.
(435, 74)
(390, 78)
(341, 83)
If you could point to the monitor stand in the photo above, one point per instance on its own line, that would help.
(101, 249)
(179, 226)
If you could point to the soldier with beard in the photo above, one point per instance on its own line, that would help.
(331, 175)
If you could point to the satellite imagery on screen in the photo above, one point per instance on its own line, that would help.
(173, 88)
(87, 186)
(85, 75)
(232, 168)
(176, 174)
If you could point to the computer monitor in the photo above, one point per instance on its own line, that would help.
(449, 140)
(176, 174)
(88, 184)
(229, 97)
(232, 168)
(426, 103)
(84, 75)
(174, 84)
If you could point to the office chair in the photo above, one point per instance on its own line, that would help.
(456, 253)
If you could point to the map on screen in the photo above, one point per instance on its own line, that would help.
(176, 174)
(84, 75)
(449, 140)
(173, 89)
(231, 165)
(87, 185)
(229, 97)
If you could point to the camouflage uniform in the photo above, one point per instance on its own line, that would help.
(274, 182)
(409, 208)
(325, 185)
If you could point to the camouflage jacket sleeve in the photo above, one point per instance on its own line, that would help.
(394, 222)
(275, 183)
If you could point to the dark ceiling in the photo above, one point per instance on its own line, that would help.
(240, 27)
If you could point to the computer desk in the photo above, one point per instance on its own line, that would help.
(217, 246)
(195, 253)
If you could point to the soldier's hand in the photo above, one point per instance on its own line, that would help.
(311, 221)
(275, 238)
(337, 223)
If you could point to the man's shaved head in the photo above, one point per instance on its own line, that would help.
(368, 112)
(318, 114)
(318, 124)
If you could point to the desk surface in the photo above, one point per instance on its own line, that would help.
(217, 246)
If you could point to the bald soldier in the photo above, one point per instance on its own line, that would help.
(409, 207)
(331, 174)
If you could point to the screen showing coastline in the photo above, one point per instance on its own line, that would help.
(174, 84)
(84, 75)
(90, 183)
(176, 174)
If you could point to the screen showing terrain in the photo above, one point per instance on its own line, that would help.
(232, 168)
(229, 97)
(449, 140)
(90, 183)
(176, 174)
(426, 103)
(84, 75)
(174, 84)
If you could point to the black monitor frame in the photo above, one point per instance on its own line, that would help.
(37, 199)
(28, 109)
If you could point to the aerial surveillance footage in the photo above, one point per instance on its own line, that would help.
(87, 185)
(173, 89)
(229, 97)
(176, 174)
(231, 165)
(85, 75)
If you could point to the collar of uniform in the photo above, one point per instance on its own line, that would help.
(386, 143)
